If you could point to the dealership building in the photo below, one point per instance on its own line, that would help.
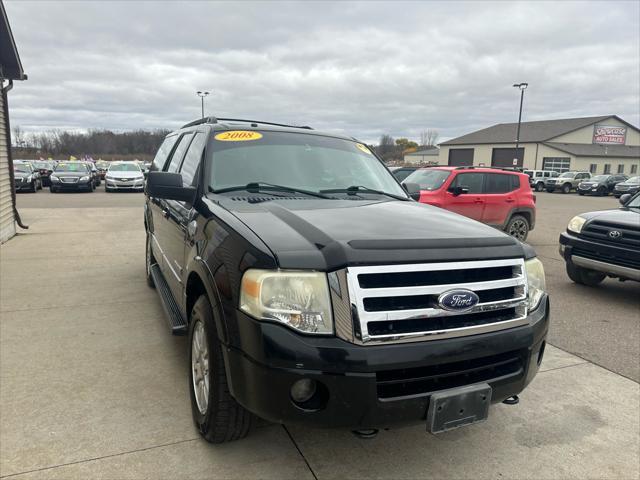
(605, 144)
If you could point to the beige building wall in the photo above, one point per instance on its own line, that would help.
(585, 135)
(7, 223)
(482, 153)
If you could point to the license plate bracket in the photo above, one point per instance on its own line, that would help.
(458, 407)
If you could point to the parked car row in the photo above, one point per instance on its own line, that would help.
(78, 176)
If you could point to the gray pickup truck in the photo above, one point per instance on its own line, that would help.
(566, 182)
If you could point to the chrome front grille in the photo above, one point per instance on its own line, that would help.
(69, 179)
(399, 303)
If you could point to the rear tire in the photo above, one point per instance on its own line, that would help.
(584, 276)
(518, 227)
(216, 414)
(566, 188)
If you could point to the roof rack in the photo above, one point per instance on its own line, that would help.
(473, 167)
(200, 121)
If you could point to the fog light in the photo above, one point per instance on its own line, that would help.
(303, 390)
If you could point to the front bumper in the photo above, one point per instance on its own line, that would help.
(357, 378)
(124, 185)
(71, 186)
(20, 185)
(618, 193)
(618, 261)
(588, 189)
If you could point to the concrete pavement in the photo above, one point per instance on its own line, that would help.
(92, 385)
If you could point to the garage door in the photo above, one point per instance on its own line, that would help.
(557, 164)
(503, 157)
(460, 157)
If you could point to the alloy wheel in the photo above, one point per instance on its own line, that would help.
(518, 229)
(200, 366)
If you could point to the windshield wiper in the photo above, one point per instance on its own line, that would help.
(255, 187)
(354, 189)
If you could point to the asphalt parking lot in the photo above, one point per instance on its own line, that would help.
(92, 384)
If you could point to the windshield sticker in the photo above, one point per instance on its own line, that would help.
(363, 148)
(238, 136)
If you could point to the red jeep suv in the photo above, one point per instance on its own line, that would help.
(501, 198)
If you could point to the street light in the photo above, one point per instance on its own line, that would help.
(202, 95)
(522, 87)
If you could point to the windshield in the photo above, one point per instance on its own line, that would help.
(567, 175)
(599, 178)
(71, 167)
(428, 179)
(633, 180)
(21, 167)
(40, 165)
(297, 160)
(124, 167)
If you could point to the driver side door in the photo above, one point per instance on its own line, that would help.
(470, 204)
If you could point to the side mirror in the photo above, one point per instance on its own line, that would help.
(169, 186)
(413, 189)
(625, 198)
(458, 190)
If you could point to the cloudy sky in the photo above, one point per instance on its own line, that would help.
(357, 68)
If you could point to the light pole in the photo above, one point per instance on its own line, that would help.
(202, 95)
(522, 87)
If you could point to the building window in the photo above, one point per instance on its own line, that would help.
(607, 168)
(593, 168)
(621, 168)
(634, 168)
(557, 164)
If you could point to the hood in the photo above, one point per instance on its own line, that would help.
(329, 234)
(71, 174)
(124, 174)
(619, 217)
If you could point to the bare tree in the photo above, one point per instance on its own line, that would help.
(18, 136)
(429, 138)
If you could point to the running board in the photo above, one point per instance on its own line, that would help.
(177, 322)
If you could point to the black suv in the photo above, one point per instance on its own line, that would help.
(604, 243)
(600, 184)
(314, 290)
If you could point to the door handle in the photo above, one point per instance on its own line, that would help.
(510, 200)
(478, 200)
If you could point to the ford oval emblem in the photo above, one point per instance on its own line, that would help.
(458, 300)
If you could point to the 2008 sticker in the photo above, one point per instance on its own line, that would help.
(363, 148)
(238, 136)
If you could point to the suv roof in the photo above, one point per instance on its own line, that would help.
(223, 124)
(472, 167)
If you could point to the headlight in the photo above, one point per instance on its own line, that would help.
(536, 283)
(29, 178)
(85, 178)
(54, 177)
(576, 223)
(297, 299)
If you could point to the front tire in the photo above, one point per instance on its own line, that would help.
(216, 414)
(34, 187)
(584, 276)
(539, 187)
(518, 227)
(602, 191)
(566, 188)
(150, 260)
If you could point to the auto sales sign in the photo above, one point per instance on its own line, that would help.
(609, 134)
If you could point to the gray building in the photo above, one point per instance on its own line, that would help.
(10, 70)
(603, 144)
(425, 155)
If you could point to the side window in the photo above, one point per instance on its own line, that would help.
(192, 159)
(163, 152)
(178, 153)
(472, 181)
(499, 182)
